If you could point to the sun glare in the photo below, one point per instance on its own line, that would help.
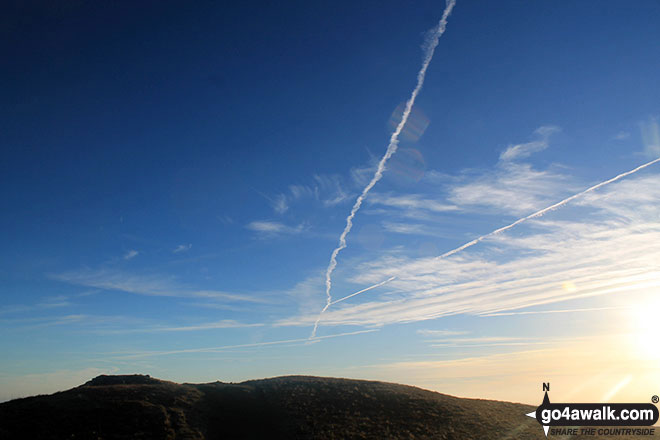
(644, 323)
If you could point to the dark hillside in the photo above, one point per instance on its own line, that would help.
(293, 407)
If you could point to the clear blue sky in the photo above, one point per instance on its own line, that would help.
(175, 177)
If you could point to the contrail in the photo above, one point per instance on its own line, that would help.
(517, 222)
(363, 290)
(432, 43)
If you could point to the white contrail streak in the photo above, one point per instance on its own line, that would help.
(363, 290)
(519, 221)
(432, 43)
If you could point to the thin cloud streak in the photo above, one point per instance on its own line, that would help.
(431, 44)
(491, 344)
(78, 320)
(542, 312)
(146, 285)
(411, 201)
(224, 324)
(480, 339)
(303, 341)
(432, 333)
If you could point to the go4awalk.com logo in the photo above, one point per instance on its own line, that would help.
(562, 418)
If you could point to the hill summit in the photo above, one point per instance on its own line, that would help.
(127, 379)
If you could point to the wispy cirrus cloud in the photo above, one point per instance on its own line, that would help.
(361, 175)
(406, 228)
(120, 324)
(131, 254)
(515, 188)
(280, 204)
(512, 186)
(546, 312)
(182, 248)
(603, 248)
(441, 333)
(268, 228)
(152, 285)
(46, 303)
(621, 136)
(223, 324)
(651, 137)
(411, 202)
(519, 151)
(80, 320)
(486, 341)
(609, 248)
(326, 190)
(218, 349)
(49, 303)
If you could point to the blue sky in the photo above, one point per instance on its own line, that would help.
(175, 178)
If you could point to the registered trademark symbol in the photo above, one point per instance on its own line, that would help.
(654, 399)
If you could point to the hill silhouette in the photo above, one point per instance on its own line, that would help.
(291, 407)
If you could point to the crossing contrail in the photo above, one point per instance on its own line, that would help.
(517, 222)
(432, 43)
